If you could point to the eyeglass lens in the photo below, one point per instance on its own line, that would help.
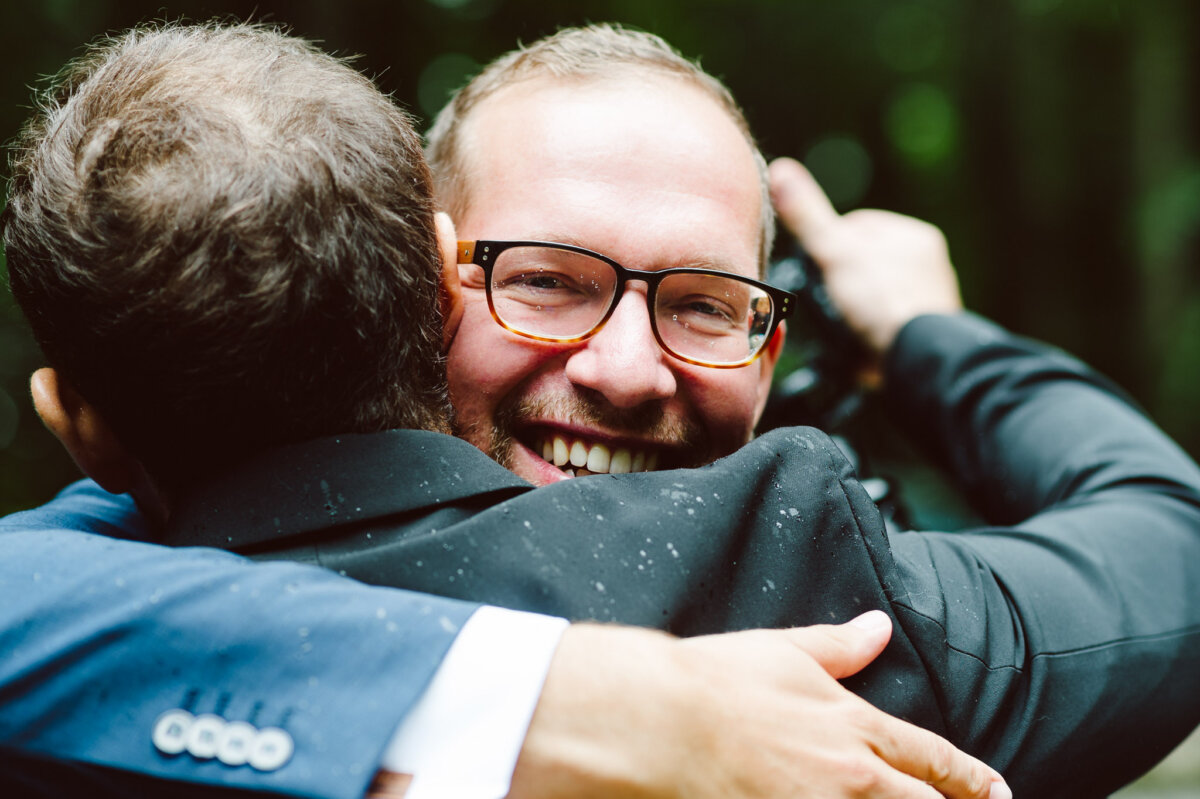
(552, 293)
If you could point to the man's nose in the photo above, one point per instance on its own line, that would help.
(623, 361)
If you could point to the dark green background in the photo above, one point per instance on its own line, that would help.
(1054, 141)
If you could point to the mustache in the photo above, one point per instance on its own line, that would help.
(684, 440)
(649, 422)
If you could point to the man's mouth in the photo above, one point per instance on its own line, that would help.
(577, 457)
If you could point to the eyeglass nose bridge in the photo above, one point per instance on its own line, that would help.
(624, 276)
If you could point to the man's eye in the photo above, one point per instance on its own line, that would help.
(706, 308)
(540, 281)
(544, 287)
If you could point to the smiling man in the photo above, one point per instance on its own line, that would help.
(607, 141)
(654, 175)
(649, 163)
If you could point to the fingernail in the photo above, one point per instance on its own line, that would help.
(872, 620)
(779, 190)
(780, 186)
(1000, 790)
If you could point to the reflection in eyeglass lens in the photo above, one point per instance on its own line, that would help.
(711, 318)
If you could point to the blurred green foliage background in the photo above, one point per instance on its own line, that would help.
(1054, 141)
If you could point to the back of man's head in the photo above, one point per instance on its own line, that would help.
(223, 239)
(592, 52)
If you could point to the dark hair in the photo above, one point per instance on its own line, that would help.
(224, 239)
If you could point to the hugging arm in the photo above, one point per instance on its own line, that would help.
(1056, 643)
(337, 664)
(1066, 631)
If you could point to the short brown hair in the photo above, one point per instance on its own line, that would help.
(224, 239)
(593, 51)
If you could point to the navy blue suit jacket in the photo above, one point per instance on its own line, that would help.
(102, 636)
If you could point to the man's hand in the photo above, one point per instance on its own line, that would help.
(881, 269)
(635, 713)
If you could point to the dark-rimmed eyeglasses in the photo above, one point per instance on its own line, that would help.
(564, 294)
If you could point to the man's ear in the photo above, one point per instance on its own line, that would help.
(83, 432)
(452, 307)
(766, 364)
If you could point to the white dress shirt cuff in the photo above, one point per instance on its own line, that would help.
(462, 737)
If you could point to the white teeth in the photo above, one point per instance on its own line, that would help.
(577, 458)
(598, 459)
(579, 454)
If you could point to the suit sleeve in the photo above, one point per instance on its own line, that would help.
(1062, 642)
(103, 638)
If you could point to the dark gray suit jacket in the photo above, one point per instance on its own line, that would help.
(1060, 645)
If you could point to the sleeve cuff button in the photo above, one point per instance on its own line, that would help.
(271, 749)
(170, 734)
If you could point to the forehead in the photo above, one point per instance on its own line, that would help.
(645, 168)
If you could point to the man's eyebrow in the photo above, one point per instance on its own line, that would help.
(556, 238)
(719, 264)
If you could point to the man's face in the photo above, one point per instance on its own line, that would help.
(652, 173)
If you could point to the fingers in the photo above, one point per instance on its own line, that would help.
(900, 786)
(800, 202)
(845, 649)
(935, 761)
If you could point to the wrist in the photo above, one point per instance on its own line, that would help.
(614, 708)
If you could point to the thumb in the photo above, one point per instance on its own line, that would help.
(800, 202)
(845, 649)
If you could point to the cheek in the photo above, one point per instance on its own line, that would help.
(485, 363)
(726, 401)
(474, 360)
